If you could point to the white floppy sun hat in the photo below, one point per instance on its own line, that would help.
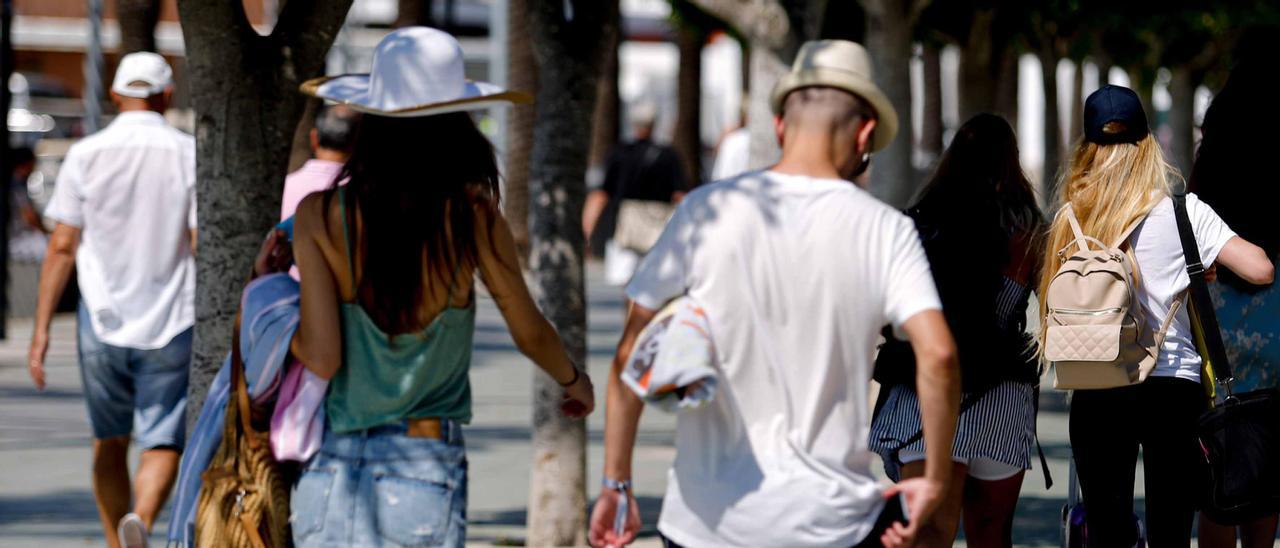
(417, 71)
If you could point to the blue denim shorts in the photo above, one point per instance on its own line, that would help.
(134, 391)
(380, 487)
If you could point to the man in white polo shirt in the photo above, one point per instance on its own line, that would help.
(798, 270)
(125, 208)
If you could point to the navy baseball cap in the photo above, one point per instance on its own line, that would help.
(1114, 104)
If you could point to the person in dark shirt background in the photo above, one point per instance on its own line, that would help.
(639, 170)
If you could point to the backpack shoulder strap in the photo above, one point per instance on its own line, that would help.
(1128, 231)
(1081, 240)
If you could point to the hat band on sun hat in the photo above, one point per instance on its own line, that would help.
(484, 95)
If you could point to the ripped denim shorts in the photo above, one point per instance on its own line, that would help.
(380, 487)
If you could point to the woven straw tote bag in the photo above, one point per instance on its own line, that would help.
(244, 501)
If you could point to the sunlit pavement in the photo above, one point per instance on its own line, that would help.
(46, 500)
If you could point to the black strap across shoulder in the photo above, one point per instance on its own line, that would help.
(1201, 302)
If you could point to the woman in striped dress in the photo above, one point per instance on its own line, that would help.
(979, 222)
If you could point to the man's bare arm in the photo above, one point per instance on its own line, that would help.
(622, 417)
(54, 275)
(623, 407)
(938, 387)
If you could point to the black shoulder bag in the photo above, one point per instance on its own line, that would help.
(1240, 434)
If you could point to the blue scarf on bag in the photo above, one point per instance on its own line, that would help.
(269, 308)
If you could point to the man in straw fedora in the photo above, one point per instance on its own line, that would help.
(798, 270)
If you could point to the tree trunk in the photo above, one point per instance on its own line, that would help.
(979, 63)
(890, 27)
(931, 127)
(137, 19)
(522, 75)
(244, 89)
(411, 13)
(767, 67)
(1052, 125)
(1142, 82)
(1007, 88)
(1077, 104)
(568, 55)
(688, 135)
(1182, 88)
(1104, 63)
(605, 123)
(774, 30)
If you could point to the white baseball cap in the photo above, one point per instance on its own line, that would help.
(141, 75)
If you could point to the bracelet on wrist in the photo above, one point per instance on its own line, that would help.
(571, 382)
(616, 485)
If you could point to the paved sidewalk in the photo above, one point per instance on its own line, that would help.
(46, 501)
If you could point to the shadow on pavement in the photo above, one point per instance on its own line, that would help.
(477, 437)
(650, 507)
(61, 506)
(29, 391)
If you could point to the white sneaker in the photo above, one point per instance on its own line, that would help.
(132, 532)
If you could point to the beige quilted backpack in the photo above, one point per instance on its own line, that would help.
(1095, 337)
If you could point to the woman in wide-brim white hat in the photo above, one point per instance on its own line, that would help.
(388, 264)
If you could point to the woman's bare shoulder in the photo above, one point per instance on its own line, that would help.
(319, 219)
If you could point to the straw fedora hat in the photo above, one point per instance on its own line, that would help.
(417, 71)
(843, 65)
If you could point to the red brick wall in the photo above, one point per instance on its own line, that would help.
(77, 8)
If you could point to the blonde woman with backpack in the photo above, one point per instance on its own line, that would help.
(1120, 189)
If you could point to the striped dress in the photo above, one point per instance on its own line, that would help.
(999, 426)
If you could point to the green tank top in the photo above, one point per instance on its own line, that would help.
(385, 379)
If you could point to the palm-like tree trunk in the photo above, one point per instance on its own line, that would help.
(688, 135)
(244, 88)
(522, 74)
(931, 126)
(1077, 104)
(979, 63)
(605, 124)
(1182, 89)
(1007, 88)
(137, 20)
(774, 29)
(412, 13)
(1052, 121)
(890, 26)
(567, 49)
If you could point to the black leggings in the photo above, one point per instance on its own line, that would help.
(1107, 427)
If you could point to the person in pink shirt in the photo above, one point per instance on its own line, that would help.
(331, 141)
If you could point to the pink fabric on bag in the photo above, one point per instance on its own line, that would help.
(297, 424)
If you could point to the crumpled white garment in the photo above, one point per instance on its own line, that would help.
(673, 363)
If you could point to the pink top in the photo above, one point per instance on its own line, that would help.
(313, 176)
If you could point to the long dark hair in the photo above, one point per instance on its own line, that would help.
(974, 214)
(1233, 171)
(415, 182)
(980, 178)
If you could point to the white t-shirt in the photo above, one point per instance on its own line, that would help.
(1163, 276)
(733, 156)
(130, 188)
(798, 275)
